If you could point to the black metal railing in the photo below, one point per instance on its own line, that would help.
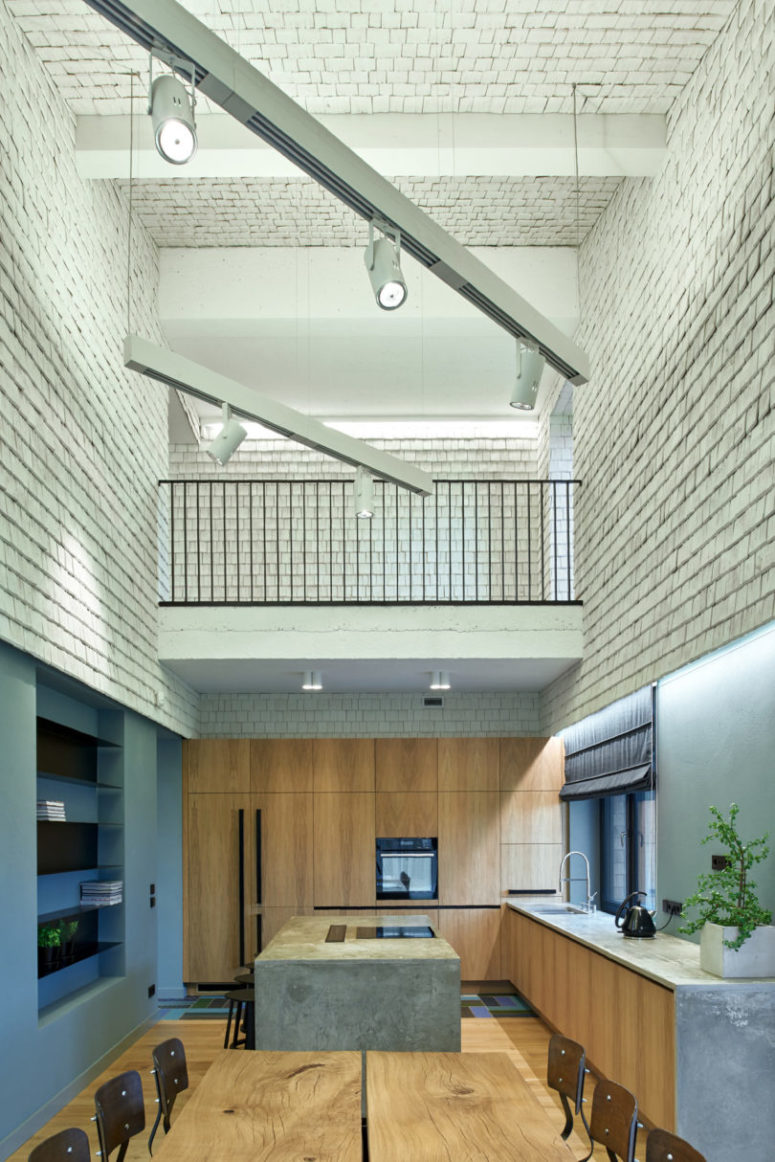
(298, 542)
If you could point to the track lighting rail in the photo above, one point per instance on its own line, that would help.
(231, 82)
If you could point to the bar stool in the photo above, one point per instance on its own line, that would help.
(66, 1146)
(246, 978)
(242, 1010)
(662, 1146)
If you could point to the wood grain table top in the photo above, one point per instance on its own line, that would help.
(280, 1106)
(468, 1107)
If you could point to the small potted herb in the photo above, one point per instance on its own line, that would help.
(736, 935)
(49, 948)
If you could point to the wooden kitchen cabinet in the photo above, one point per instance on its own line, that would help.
(216, 765)
(469, 764)
(280, 764)
(412, 814)
(531, 764)
(531, 817)
(625, 1021)
(216, 904)
(286, 838)
(474, 933)
(406, 765)
(344, 850)
(343, 764)
(469, 847)
(532, 867)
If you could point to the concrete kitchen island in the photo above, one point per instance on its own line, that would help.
(393, 993)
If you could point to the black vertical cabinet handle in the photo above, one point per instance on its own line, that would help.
(259, 885)
(241, 881)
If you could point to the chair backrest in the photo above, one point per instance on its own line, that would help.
(120, 1112)
(66, 1146)
(565, 1068)
(169, 1061)
(614, 1120)
(662, 1146)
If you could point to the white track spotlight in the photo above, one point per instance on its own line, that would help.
(440, 680)
(312, 680)
(228, 439)
(382, 258)
(531, 366)
(172, 114)
(363, 494)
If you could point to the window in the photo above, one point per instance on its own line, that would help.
(627, 848)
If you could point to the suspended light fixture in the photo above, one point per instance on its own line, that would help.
(363, 494)
(382, 258)
(312, 680)
(172, 113)
(440, 680)
(228, 439)
(531, 366)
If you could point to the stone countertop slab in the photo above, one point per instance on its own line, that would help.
(303, 938)
(669, 961)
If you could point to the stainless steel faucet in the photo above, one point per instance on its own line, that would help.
(569, 879)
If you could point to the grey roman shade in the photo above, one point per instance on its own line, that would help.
(611, 752)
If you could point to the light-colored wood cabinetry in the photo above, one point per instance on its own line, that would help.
(216, 908)
(469, 764)
(532, 840)
(625, 1021)
(474, 933)
(407, 765)
(344, 850)
(530, 764)
(343, 764)
(469, 847)
(280, 764)
(285, 833)
(530, 817)
(217, 765)
(414, 813)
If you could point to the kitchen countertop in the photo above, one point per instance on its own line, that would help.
(303, 938)
(668, 960)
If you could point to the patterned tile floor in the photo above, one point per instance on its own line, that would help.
(215, 1007)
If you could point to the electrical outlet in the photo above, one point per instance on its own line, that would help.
(672, 907)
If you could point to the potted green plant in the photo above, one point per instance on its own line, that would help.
(736, 935)
(68, 929)
(49, 948)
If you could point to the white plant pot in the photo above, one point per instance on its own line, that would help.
(756, 958)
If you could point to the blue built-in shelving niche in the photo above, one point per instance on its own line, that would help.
(85, 772)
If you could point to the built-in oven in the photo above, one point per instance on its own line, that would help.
(407, 868)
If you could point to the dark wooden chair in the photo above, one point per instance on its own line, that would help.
(171, 1074)
(66, 1146)
(241, 1010)
(614, 1120)
(565, 1073)
(120, 1113)
(662, 1146)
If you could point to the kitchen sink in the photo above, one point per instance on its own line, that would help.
(564, 908)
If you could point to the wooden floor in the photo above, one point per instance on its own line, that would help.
(525, 1039)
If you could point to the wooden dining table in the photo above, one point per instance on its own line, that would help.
(256, 1106)
(456, 1107)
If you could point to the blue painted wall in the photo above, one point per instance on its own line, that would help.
(55, 1056)
(716, 745)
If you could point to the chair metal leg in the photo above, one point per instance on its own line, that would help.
(154, 1129)
(568, 1117)
(228, 1025)
(591, 1143)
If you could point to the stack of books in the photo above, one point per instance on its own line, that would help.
(102, 893)
(51, 810)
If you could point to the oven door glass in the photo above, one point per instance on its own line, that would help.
(408, 874)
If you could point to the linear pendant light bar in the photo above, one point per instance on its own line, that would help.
(186, 375)
(234, 84)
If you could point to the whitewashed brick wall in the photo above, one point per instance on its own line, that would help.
(322, 715)
(674, 435)
(82, 442)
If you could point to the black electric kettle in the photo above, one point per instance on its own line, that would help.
(638, 921)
